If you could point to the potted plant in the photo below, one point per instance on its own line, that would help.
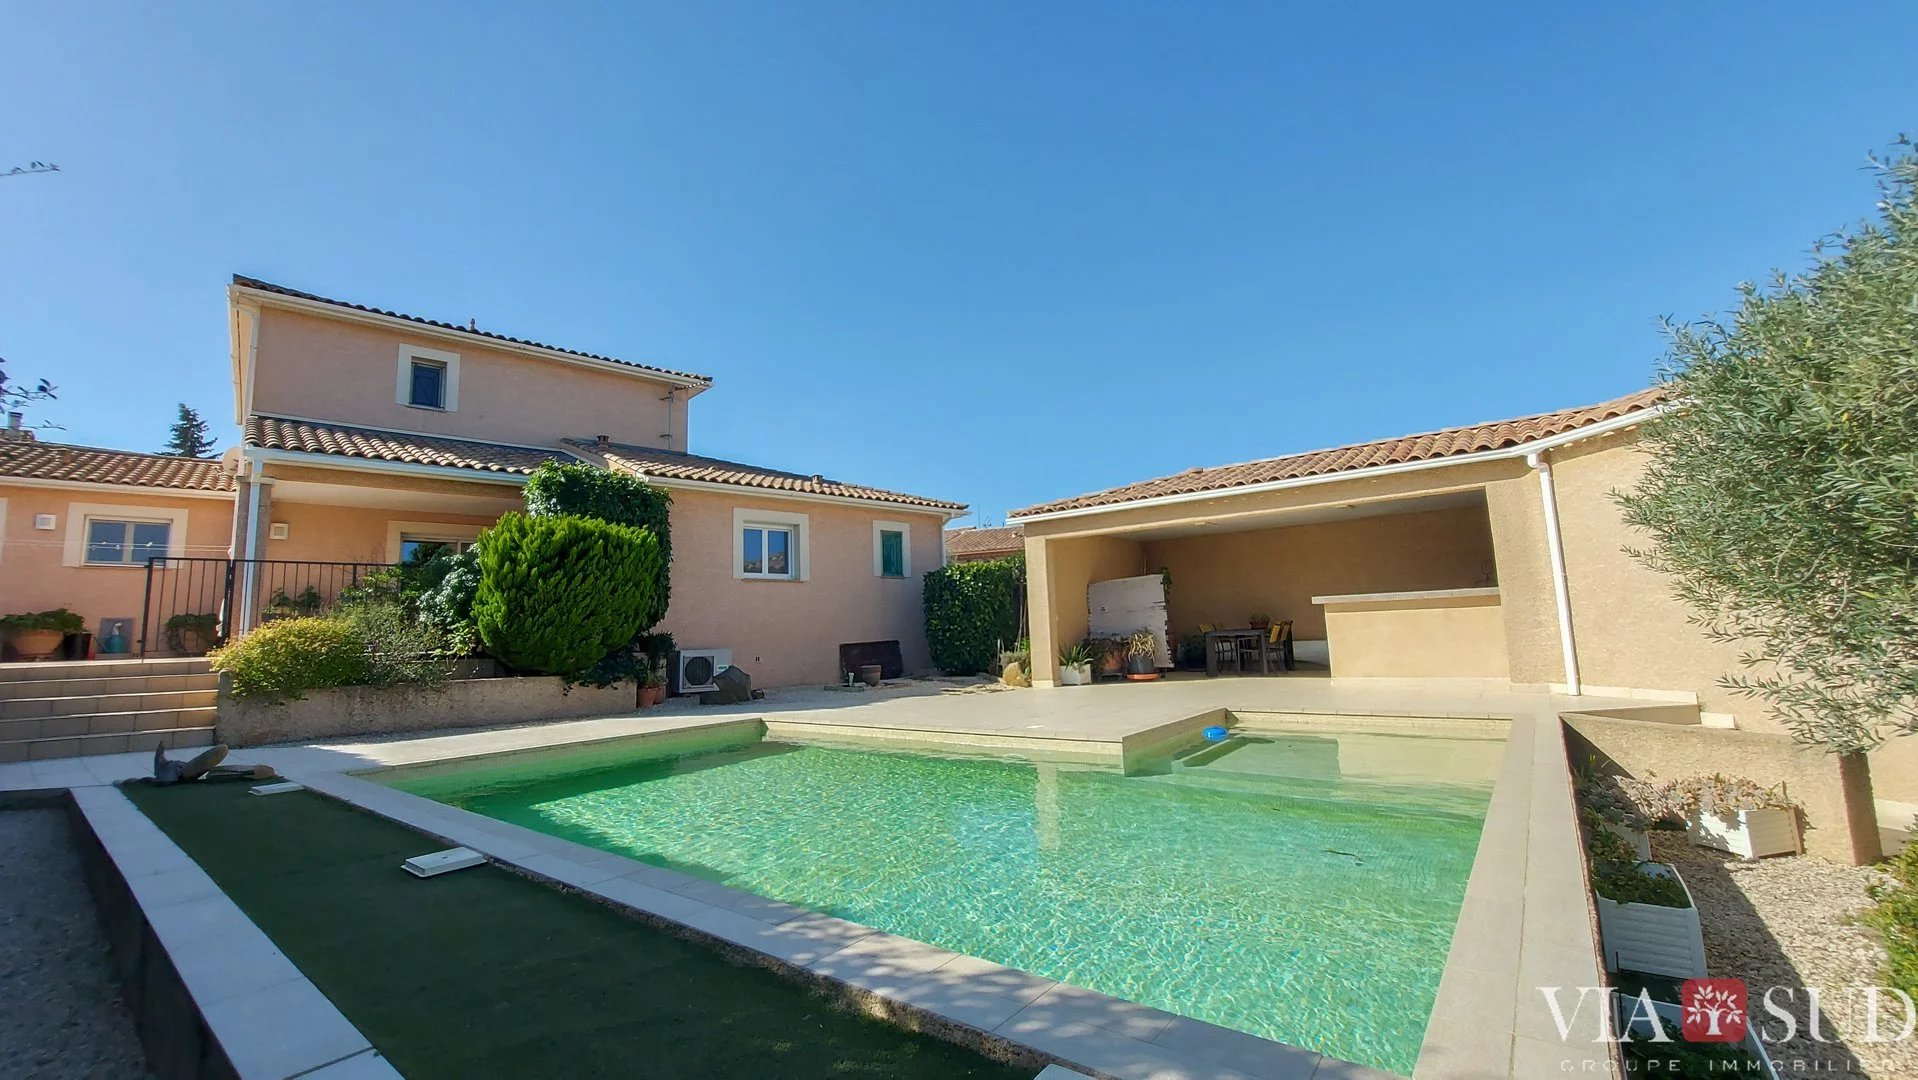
(1142, 656)
(192, 634)
(1075, 665)
(36, 635)
(1192, 652)
(1621, 805)
(654, 652)
(1258, 621)
(1647, 1054)
(1646, 919)
(1108, 654)
(1732, 813)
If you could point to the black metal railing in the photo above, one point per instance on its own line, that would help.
(194, 604)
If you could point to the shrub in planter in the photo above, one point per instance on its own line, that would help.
(580, 490)
(192, 632)
(971, 608)
(556, 594)
(1075, 665)
(1142, 656)
(1731, 813)
(36, 634)
(287, 657)
(1192, 652)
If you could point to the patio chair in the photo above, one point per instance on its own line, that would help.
(1281, 645)
(1225, 652)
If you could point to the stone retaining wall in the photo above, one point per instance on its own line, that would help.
(384, 710)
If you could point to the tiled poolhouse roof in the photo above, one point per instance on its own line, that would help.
(996, 540)
(1450, 442)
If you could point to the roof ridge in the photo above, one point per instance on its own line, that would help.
(42, 443)
(247, 282)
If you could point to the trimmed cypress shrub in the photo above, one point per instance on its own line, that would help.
(971, 609)
(558, 593)
(581, 490)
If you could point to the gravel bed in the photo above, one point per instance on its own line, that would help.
(1791, 922)
(60, 1009)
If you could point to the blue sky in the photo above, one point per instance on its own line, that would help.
(992, 252)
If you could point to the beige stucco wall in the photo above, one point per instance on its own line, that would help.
(380, 710)
(328, 369)
(1057, 573)
(1222, 578)
(1834, 793)
(789, 632)
(357, 533)
(32, 574)
(1434, 638)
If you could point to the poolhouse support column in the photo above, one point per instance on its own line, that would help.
(1555, 547)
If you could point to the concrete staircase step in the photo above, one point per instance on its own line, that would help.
(124, 684)
(105, 723)
(43, 670)
(84, 705)
(112, 743)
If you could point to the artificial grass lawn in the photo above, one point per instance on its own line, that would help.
(484, 973)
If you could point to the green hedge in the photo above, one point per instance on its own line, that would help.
(556, 594)
(1896, 917)
(580, 490)
(972, 609)
(287, 657)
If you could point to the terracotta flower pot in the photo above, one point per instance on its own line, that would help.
(37, 644)
(650, 696)
(871, 674)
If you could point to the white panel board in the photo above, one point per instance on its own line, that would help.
(1121, 607)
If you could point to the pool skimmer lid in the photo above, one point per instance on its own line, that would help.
(276, 789)
(442, 862)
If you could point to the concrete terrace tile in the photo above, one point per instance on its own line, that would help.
(17, 776)
(365, 1066)
(1238, 1050)
(1334, 1069)
(956, 1000)
(749, 904)
(1097, 1050)
(805, 947)
(1065, 1005)
(283, 1031)
(1550, 1057)
(172, 887)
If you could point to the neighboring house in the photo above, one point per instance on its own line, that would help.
(1490, 551)
(976, 544)
(368, 433)
(77, 524)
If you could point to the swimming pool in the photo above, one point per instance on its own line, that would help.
(1298, 886)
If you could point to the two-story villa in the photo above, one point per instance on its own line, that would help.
(368, 432)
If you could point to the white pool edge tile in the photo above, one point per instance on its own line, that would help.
(252, 999)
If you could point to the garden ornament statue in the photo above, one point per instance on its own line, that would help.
(203, 766)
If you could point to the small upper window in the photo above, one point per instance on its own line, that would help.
(766, 551)
(126, 543)
(428, 384)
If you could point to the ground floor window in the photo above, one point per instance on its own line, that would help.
(417, 549)
(114, 542)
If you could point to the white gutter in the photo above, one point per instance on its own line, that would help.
(1555, 546)
(1603, 427)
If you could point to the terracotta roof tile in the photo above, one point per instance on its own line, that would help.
(671, 465)
(373, 444)
(999, 540)
(98, 465)
(1473, 438)
(267, 286)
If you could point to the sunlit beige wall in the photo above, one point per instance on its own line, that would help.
(1432, 638)
(1058, 572)
(328, 369)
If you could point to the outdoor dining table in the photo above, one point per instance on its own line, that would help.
(1261, 636)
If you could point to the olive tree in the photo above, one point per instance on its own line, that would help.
(1782, 491)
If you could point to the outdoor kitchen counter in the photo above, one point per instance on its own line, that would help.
(1440, 633)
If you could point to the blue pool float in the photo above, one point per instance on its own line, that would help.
(1216, 733)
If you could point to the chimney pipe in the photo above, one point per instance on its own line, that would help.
(13, 421)
(603, 440)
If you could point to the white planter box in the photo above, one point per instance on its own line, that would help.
(1653, 939)
(1753, 834)
(1075, 675)
(1672, 1017)
(1641, 843)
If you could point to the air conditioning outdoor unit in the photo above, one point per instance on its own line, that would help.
(695, 669)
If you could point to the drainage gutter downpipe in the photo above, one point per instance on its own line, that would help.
(1555, 544)
(251, 551)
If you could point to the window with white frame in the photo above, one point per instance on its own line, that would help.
(769, 551)
(770, 545)
(414, 548)
(428, 379)
(891, 549)
(119, 542)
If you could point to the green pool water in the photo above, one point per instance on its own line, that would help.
(1298, 887)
